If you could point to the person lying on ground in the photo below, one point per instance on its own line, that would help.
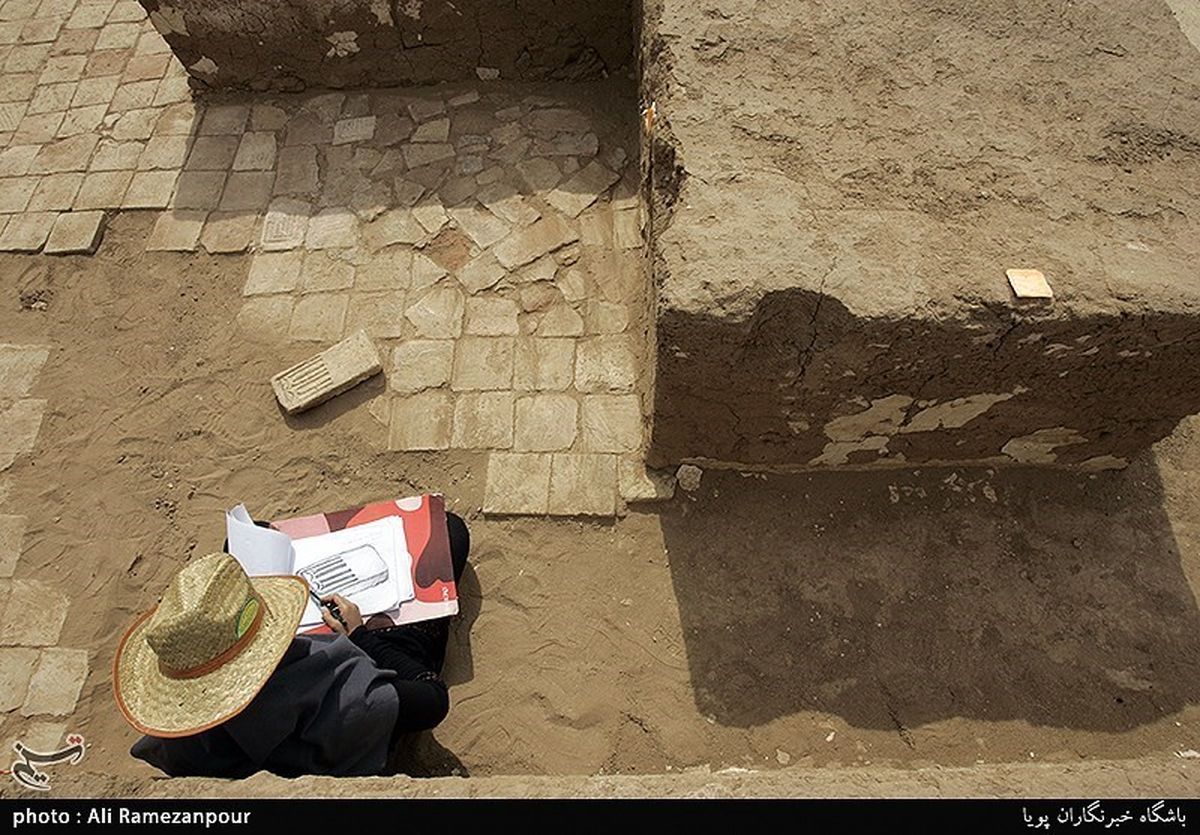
(221, 686)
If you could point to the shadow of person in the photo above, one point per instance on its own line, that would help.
(895, 599)
(460, 664)
(420, 755)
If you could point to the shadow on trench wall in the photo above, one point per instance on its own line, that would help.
(895, 599)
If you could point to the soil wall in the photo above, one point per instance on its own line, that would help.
(294, 44)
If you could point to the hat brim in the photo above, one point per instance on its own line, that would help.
(170, 707)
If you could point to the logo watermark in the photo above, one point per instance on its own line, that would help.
(26, 771)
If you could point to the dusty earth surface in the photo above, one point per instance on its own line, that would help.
(840, 188)
(948, 617)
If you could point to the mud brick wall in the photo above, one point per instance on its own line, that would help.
(295, 44)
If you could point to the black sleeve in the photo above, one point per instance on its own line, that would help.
(424, 699)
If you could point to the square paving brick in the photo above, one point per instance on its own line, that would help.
(146, 68)
(483, 363)
(81, 120)
(438, 313)
(17, 87)
(88, 16)
(177, 119)
(172, 90)
(212, 153)
(11, 115)
(52, 98)
(199, 190)
(637, 484)
(15, 193)
(15, 160)
(63, 68)
(135, 124)
(256, 152)
(96, 90)
(583, 485)
(247, 191)
(560, 320)
(16, 668)
(483, 420)
(266, 318)
(56, 683)
(611, 423)
(133, 95)
(33, 616)
(274, 272)
(323, 272)
(517, 483)
(421, 421)
(150, 190)
(546, 423)
(75, 233)
(116, 156)
(19, 367)
(491, 316)
(285, 224)
(55, 192)
(297, 172)
(177, 230)
(319, 317)
(332, 229)
(605, 363)
(224, 119)
(229, 232)
(38, 128)
(126, 10)
(12, 533)
(421, 364)
(118, 36)
(105, 62)
(167, 152)
(544, 364)
(381, 315)
(389, 269)
(26, 233)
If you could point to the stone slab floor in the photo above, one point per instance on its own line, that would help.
(489, 238)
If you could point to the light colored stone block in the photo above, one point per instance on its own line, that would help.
(396, 226)
(27, 232)
(627, 229)
(503, 201)
(16, 669)
(611, 423)
(534, 241)
(56, 683)
(422, 110)
(483, 363)
(637, 484)
(164, 152)
(224, 120)
(75, 232)
(33, 616)
(517, 483)
(326, 375)
(256, 152)
(421, 364)
(42, 737)
(421, 421)
(560, 320)
(274, 272)
(150, 190)
(297, 172)
(285, 224)
(546, 423)
(55, 192)
(357, 129)
(544, 364)
(229, 232)
(177, 230)
(431, 215)
(20, 421)
(103, 190)
(480, 225)
(12, 533)
(491, 316)
(483, 420)
(605, 363)
(265, 318)
(438, 313)
(381, 315)
(19, 367)
(583, 485)
(323, 273)
(437, 130)
(582, 190)
(331, 229)
(319, 317)
(15, 193)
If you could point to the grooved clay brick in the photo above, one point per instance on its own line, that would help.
(327, 374)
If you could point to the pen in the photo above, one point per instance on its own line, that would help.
(331, 606)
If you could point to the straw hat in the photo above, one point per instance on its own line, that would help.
(201, 656)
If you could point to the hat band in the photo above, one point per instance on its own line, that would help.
(225, 657)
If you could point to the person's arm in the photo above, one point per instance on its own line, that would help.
(424, 699)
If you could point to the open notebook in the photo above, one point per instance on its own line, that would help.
(367, 564)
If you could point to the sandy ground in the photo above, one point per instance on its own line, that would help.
(941, 617)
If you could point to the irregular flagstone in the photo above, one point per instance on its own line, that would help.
(19, 367)
(425, 272)
(491, 316)
(480, 225)
(517, 483)
(534, 241)
(12, 533)
(539, 173)
(437, 130)
(396, 226)
(582, 190)
(480, 273)
(425, 153)
(560, 320)
(20, 421)
(638, 484)
(503, 201)
(438, 313)
(431, 215)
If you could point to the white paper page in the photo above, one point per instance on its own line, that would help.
(359, 563)
(261, 551)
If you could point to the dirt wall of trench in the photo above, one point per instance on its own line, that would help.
(806, 384)
(292, 45)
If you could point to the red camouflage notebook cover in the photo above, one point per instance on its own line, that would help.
(424, 521)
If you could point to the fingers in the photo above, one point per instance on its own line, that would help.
(331, 621)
